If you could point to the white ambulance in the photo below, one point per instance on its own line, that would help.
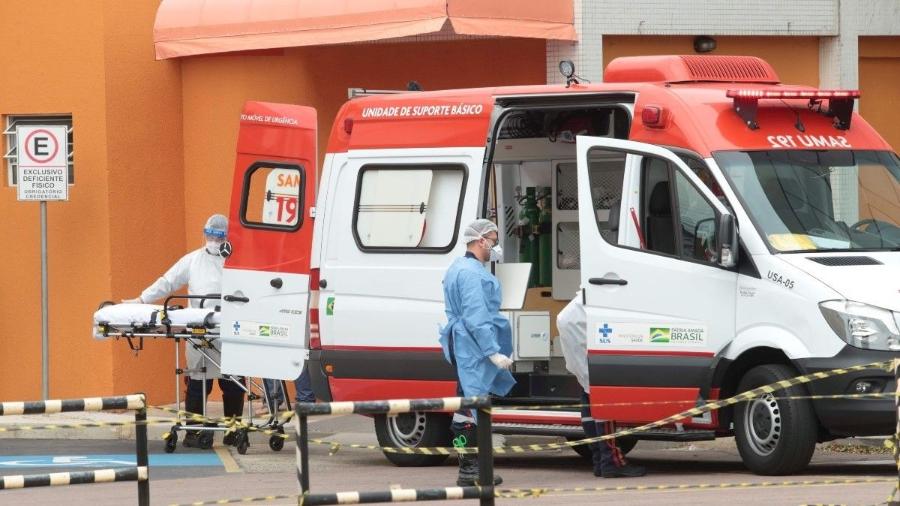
(723, 230)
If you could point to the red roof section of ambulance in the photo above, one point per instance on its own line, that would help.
(696, 116)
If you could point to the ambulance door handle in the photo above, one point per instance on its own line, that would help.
(276, 283)
(607, 281)
(235, 298)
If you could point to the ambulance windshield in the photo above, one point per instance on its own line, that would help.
(805, 200)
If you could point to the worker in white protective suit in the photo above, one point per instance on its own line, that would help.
(608, 460)
(201, 271)
(477, 339)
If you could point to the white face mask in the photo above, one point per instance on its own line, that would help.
(212, 247)
(496, 254)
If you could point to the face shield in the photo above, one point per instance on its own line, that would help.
(215, 232)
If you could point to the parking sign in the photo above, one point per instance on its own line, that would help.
(43, 172)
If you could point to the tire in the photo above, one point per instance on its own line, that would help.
(774, 436)
(276, 443)
(413, 430)
(625, 444)
(242, 442)
(171, 441)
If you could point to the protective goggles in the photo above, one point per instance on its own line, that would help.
(213, 232)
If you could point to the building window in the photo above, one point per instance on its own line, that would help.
(403, 208)
(273, 196)
(10, 151)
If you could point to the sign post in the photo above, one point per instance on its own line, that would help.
(42, 175)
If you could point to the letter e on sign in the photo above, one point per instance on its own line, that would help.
(43, 154)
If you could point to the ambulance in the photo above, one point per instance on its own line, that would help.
(723, 230)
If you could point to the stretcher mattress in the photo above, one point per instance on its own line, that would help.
(149, 319)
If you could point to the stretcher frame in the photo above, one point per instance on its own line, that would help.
(201, 336)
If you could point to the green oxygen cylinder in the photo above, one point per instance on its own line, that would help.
(545, 221)
(533, 214)
(523, 233)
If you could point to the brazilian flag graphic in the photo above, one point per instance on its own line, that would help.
(660, 334)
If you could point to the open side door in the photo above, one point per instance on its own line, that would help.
(265, 283)
(660, 302)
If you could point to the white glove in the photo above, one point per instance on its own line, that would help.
(501, 361)
(132, 301)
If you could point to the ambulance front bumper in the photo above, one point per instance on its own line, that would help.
(854, 416)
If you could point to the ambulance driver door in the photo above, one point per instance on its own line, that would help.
(265, 285)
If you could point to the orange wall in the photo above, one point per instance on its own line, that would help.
(879, 75)
(94, 60)
(58, 75)
(797, 65)
(216, 87)
(146, 178)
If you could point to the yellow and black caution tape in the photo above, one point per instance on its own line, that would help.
(84, 425)
(534, 492)
(531, 407)
(689, 413)
(231, 424)
(517, 493)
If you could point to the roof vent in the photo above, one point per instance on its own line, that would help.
(845, 261)
(690, 68)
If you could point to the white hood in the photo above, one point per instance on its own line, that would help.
(878, 285)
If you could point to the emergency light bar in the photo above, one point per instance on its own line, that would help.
(840, 103)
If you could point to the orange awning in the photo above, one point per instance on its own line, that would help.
(194, 27)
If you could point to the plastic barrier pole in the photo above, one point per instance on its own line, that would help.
(140, 438)
(485, 458)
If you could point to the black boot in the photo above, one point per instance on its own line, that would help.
(232, 407)
(608, 459)
(465, 435)
(193, 403)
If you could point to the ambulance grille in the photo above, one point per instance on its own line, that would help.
(728, 68)
(845, 261)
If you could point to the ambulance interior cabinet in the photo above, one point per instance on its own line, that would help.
(530, 333)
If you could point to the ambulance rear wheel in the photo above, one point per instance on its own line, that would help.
(774, 436)
(413, 430)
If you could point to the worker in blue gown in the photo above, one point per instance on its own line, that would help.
(477, 339)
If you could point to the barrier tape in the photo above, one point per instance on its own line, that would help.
(284, 415)
(135, 401)
(74, 478)
(535, 492)
(689, 413)
(229, 423)
(85, 425)
(518, 493)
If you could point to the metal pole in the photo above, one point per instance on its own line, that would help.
(485, 457)
(895, 500)
(140, 437)
(302, 430)
(45, 339)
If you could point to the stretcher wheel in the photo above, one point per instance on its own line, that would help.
(206, 440)
(171, 441)
(242, 442)
(276, 442)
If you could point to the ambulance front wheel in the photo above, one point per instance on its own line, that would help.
(413, 430)
(774, 435)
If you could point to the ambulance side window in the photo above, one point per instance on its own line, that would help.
(408, 208)
(677, 219)
(273, 196)
(606, 173)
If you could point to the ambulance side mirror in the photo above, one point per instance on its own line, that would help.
(727, 238)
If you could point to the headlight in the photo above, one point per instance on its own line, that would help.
(862, 325)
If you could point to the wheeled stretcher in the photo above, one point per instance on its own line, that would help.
(198, 327)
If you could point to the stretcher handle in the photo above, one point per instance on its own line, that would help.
(202, 298)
